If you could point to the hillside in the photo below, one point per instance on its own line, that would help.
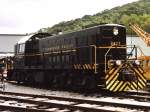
(138, 12)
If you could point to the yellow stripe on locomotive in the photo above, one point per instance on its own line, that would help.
(123, 76)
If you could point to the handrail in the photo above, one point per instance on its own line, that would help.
(95, 59)
(121, 47)
(106, 59)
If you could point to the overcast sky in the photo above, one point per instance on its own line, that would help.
(25, 16)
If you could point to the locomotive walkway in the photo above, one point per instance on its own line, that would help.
(40, 103)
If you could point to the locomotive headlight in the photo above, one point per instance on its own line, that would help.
(118, 62)
(137, 62)
(115, 31)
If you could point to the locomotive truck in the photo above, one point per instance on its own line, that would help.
(82, 59)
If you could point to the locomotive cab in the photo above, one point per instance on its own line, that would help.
(32, 48)
(19, 58)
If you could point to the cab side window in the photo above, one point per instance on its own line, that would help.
(21, 48)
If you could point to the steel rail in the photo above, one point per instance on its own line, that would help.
(76, 102)
(20, 109)
(31, 100)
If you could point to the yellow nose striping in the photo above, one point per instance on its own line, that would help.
(114, 84)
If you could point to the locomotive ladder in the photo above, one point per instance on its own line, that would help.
(141, 33)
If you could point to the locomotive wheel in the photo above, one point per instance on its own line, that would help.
(48, 78)
(61, 81)
(30, 78)
(49, 81)
(22, 77)
(55, 81)
(10, 74)
(85, 82)
(70, 82)
(78, 82)
(89, 82)
(18, 77)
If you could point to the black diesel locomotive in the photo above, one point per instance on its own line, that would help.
(83, 59)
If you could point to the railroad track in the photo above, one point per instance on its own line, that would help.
(20, 102)
(141, 96)
(138, 96)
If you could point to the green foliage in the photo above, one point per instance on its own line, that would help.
(138, 12)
